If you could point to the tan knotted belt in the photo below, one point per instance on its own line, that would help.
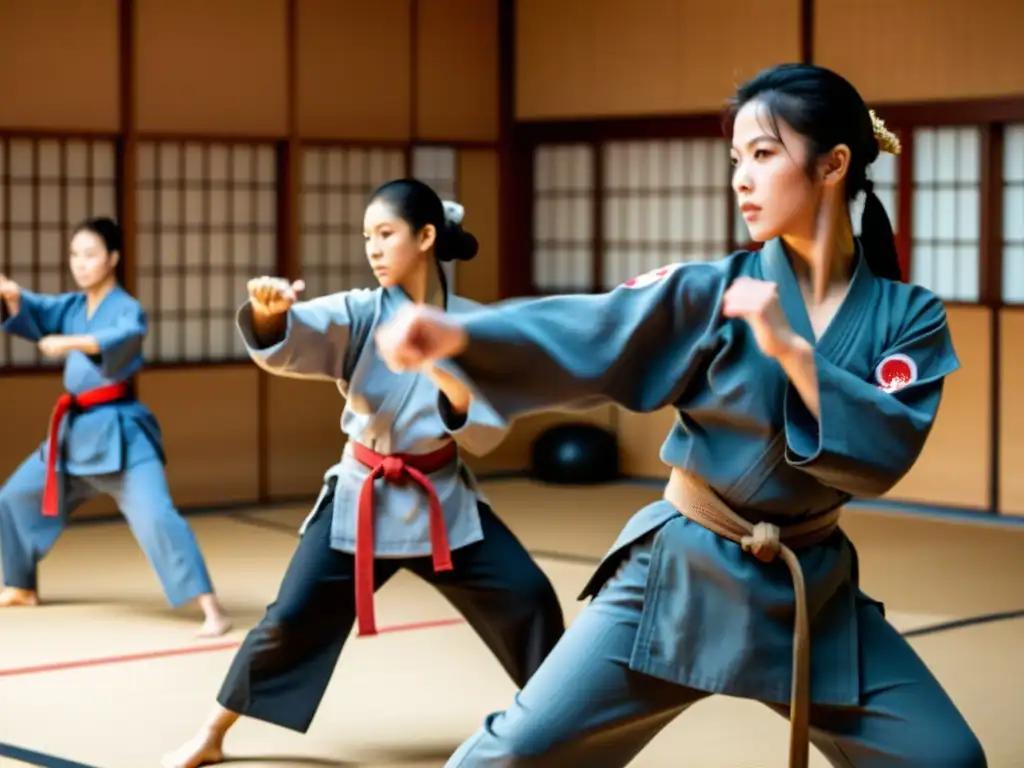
(696, 501)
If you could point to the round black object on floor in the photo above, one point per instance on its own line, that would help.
(576, 454)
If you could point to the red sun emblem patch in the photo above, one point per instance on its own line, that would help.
(647, 278)
(895, 372)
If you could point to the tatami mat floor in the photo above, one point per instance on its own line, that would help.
(107, 677)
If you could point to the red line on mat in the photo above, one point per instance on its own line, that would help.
(125, 658)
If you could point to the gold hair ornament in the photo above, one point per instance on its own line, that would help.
(887, 140)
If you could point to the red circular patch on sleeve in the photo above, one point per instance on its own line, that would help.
(647, 278)
(896, 372)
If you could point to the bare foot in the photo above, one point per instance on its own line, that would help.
(214, 626)
(205, 748)
(216, 622)
(11, 597)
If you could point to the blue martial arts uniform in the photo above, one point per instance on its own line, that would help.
(114, 448)
(679, 612)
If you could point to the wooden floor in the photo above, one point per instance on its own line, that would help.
(107, 677)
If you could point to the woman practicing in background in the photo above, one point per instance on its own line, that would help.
(101, 438)
(802, 375)
(399, 498)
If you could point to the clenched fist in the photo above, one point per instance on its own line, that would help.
(55, 346)
(757, 302)
(273, 295)
(419, 336)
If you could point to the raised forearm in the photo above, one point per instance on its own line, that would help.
(457, 393)
(798, 363)
(83, 343)
(269, 328)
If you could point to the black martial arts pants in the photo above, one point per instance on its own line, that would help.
(283, 666)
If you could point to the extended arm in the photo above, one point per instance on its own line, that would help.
(634, 346)
(862, 437)
(38, 315)
(312, 339)
(117, 347)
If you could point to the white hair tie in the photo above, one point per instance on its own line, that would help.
(453, 212)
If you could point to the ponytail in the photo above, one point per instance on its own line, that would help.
(877, 239)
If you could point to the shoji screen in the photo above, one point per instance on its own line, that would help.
(661, 201)
(563, 226)
(946, 250)
(1013, 214)
(664, 202)
(46, 187)
(207, 223)
(336, 182)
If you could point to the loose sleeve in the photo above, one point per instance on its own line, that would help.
(322, 337)
(479, 430)
(38, 316)
(634, 346)
(870, 433)
(121, 343)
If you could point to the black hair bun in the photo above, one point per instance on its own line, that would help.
(464, 244)
(458, 244)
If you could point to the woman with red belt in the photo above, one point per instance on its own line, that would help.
(399, 498)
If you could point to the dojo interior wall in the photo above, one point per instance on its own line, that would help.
(206, 112)
(342, 84)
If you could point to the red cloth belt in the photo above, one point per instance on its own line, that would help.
(397, 468)
(99, 396)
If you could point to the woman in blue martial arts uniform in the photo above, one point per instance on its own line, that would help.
(802, 375)
(101, 438)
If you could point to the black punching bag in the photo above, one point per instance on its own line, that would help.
(576, 454)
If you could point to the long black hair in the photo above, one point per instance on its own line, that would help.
(419, 205)
(827, 110)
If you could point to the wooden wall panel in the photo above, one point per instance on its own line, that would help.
(636, 67)
(589, 58)
(640, 439)
(210, 422)
(211, 67)
(717, 53)
(954, 466)
(478, 181)
(457, 70)
(59, 65)
(354, 70)
(304, 435)
(556, 54)
(1011, 408)
(24, 426)
(918, 50)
